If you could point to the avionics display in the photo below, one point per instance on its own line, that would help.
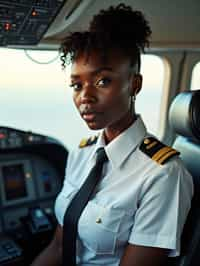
(14, 181)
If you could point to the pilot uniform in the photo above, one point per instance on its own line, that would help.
(143, 197)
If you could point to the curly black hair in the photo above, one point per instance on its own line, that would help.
(117, 27)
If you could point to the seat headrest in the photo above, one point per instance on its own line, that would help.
(184, 114)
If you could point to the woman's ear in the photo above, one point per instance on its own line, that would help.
(136, 84)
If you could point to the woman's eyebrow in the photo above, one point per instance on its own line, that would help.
(95, 72)
(101, 69)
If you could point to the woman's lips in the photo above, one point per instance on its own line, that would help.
(88, 113)
(89, 116)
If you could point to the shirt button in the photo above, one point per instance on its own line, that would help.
(147, 141)
(98, 220)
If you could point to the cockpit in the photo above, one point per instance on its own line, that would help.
(33, 161)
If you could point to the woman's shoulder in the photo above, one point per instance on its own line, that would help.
(165, 163)
(83, 151)
(157, 150)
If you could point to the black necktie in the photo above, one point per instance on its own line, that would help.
(76, 207)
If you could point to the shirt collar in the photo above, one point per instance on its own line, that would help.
(100, 143)
(118, 149)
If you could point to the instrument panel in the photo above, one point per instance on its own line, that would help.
(26, 181)
(32, 168)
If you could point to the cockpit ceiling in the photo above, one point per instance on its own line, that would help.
(175, 24)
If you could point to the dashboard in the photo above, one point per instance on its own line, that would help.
(32, 168)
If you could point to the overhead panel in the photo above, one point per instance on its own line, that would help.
(24, 22)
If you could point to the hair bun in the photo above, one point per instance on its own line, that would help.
(121, 22)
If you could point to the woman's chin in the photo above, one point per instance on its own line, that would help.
(94, 126)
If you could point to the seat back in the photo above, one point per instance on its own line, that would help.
(184, 117)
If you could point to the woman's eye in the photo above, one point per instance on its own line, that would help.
(103, 82)
(75, 86)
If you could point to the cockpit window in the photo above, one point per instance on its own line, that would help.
(37, 96)
(149, 99)
(195, 81)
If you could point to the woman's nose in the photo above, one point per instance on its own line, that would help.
(88, 94)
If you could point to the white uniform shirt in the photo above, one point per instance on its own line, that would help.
(137, 201)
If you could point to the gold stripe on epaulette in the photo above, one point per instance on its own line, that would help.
(157, 151)
(166, 156)
(160, 153)
(93, 138)
(83, 143)
(151, 145)
(87, 142)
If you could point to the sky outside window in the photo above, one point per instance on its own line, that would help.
(37, 97)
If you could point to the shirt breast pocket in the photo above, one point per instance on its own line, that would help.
(63, 200)
(98, 228)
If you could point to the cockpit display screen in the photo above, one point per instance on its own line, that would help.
(14, 181)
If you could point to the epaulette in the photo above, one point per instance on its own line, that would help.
(87, 142)
(158, 151)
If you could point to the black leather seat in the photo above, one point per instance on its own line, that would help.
(184, 117)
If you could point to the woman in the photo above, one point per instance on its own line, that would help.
(136, 212)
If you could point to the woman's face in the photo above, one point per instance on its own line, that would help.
(101, 91)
